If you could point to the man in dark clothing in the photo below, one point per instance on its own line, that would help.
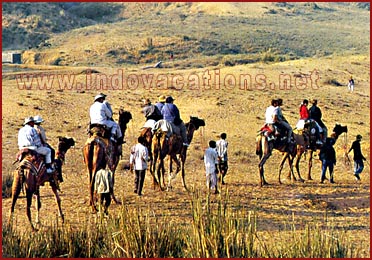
(316, 114)
(358, 157)
(328, 157)
(151, 111)
(171, 113)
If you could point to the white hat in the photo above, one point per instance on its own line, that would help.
(28, 120)
(99, 96)
(38, 119)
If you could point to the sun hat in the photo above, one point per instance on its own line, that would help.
(99, 96)
(38, 119)
(162, 98)
(169, 99)
(28, 120)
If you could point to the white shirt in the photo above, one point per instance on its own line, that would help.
(210, 160)
(99, 113)
(139, 156)
(271, 111)
(222, 149)
(40, 130)
(28, 138)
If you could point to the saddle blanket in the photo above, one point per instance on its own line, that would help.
(167, 127)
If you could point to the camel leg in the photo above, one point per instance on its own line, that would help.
(284, 158)
(310, 164)
(58, 201)
(153, 170)
(28, 208)
(113, 185)
(91, 196)
(16, 190)
(183, 173)
(171, 176)
(160, 174)
(261, 169)
(297, 164)
(37, 204)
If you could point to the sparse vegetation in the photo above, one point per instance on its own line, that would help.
(215, 232)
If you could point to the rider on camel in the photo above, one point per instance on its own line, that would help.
(29, 138)
(151, 111)
(171, 113)
(101, 113)
(316, 114)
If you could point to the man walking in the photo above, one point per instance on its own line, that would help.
(358, 157)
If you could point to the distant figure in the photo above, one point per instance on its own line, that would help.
(358, 157)
(171, 56)
(138, 162)
(350, 85)
(222, 156)
(211, 162)
(328, 157)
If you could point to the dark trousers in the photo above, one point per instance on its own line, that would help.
(327, 164)
(138, 181)
(358, 166)
(222, 167)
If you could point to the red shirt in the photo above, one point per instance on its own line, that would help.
(304, 112)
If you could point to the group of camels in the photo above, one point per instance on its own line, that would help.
(100, 153)
(292, 151)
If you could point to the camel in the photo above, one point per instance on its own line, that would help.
(264, 149)
(100, 152)
(336, 132)
(173, 147)
(31, 174)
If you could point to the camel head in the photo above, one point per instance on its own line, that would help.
(197, 122)
(338, 130)
(65, 143)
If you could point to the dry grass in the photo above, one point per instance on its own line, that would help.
(238, 113)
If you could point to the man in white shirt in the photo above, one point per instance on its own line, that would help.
(101, 113)
(29, 138)
(138, 161)
(222, 156)
(271, 117)
(210, 162)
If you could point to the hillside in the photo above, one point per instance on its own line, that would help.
(198, 34)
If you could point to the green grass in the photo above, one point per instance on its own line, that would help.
(216, 231)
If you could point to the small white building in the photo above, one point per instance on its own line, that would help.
(11, 57)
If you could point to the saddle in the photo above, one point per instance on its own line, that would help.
(32, 155)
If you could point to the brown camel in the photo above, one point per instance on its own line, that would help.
(31, 173)
(174, 148)
(100, 152)
(264, 149)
